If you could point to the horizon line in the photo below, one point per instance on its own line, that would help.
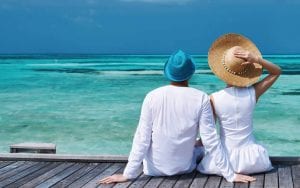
(120, 54)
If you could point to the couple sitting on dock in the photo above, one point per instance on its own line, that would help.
(172, 116)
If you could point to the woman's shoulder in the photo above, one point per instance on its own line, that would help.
(233, 91)
(239, 89)
(218, 92)
(245, 88)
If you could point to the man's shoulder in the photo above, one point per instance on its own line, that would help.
(157, 90)
(189, 90)
(197, 91)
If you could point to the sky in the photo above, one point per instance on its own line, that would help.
(145, 26)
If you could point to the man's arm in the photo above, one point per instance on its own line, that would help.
(140, 145)
(212, 144)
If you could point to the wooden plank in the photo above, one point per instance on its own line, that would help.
(10, 167)
(285, 177)
(60, 176)
(30, 145)
(226, 184)
(70, 179)
(102, 158)
(271, 178)
(169, 181)
(288, 176)
(140, 182)
(128, 183)
(213, 181)
(296, 175)
(107, 172)
(259, 182)
(63, 158)
(241, 185)
(47, 167)
(9, 181)
(154, 182)
(17, 170)
(185, 180)
(5, 163)
(34, 182)
(199, 180)
(33, 148)
(120, 171)
(285, 160)
(90, 175)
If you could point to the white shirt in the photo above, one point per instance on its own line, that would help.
(170, 121)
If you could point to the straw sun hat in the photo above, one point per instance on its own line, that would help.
(227, 67)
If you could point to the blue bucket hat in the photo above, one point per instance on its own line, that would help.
(179, 67)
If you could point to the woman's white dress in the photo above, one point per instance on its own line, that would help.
(234, 109)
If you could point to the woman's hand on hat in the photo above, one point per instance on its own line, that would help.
(248, 56)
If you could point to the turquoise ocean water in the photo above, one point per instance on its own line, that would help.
(90, 104)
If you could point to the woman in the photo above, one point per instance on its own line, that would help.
(238, 62)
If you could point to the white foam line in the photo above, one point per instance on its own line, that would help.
(63, 64)
(131, 72)
(143, 72)
(92, 64)
(202, 71)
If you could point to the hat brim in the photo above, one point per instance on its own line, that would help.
(180, 78)
(216, 53)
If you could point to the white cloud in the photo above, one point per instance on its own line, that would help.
(180, 2)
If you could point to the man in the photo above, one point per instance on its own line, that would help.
(171, 117)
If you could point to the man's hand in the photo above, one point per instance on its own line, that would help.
(116, 178)
(243, 178)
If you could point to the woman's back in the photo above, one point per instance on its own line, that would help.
(238, 62)
(234, 108)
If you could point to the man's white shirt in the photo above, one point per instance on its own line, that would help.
(170, 121)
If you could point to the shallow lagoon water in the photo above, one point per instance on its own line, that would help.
(91, 104)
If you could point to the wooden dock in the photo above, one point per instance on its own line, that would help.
(50, 170)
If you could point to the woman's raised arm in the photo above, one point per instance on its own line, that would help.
(263, 85)
(274, 71)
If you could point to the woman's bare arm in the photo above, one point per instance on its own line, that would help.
(263, 85)
(274, 71)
